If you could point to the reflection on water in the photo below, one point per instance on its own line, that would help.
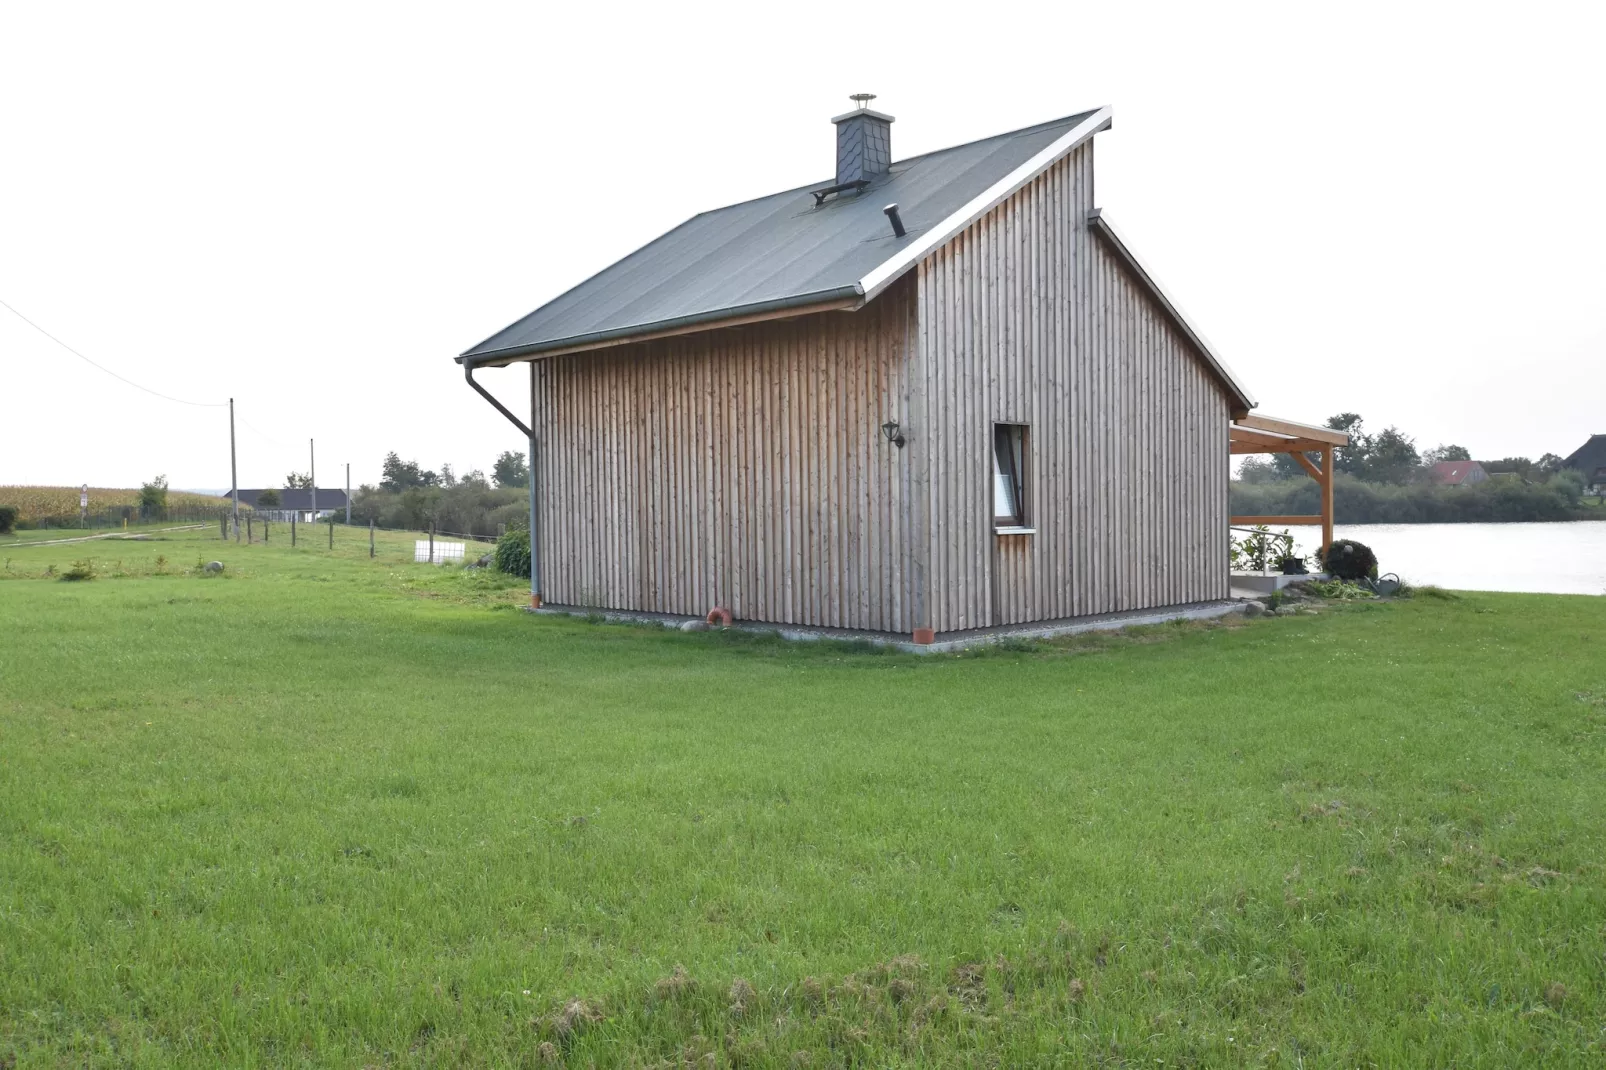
(1565, 558)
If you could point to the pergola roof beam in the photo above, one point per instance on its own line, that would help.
(1325, 435)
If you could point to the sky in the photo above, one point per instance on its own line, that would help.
(1392, 209)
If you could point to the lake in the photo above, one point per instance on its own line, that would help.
(1566, 558)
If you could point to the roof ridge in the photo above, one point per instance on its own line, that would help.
(809, 186)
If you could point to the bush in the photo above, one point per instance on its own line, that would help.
(153, 498)
(8, 519)
(81, 570)
(513, 552)
(1350, 560)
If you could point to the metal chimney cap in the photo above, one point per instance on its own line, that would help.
(863, 99)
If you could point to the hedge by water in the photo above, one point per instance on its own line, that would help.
(1379, 503)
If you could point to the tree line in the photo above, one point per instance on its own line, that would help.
(1382, 478)
(411, 496)
(1389, 456)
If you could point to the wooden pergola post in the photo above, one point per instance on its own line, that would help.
(1327, 500)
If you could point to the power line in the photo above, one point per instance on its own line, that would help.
(108, 371)
(264, 435)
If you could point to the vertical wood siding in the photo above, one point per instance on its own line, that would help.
(742, 468)
(1025, 318)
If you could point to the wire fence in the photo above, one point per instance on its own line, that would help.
(107, 517)
(430, 544)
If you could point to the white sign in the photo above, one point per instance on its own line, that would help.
(83, 497)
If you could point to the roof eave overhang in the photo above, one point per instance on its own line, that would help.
(1242, 400)
(840, 298)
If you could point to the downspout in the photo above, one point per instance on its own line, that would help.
(535, 555)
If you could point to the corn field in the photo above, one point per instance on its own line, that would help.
(58, 506)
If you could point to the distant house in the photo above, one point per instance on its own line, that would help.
(1457, 473)
(1590, 459)
(296, 503)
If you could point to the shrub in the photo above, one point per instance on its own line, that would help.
(1337, 590)
(81, 570)
(153, 497)
(1350, 560)
(1258, 549)
(8, 519)
(513, 552)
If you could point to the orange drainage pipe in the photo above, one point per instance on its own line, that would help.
(721, 616)
(925, 636)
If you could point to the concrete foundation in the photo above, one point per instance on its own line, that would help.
(944, 643)
(1256, 584)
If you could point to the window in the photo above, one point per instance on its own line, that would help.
(1009, 475)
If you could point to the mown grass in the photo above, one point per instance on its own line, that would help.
(324, 811)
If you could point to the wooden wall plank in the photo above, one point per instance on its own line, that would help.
(741, 467)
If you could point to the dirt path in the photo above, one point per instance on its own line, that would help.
(109, 535)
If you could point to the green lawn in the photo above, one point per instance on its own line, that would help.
(328, 811)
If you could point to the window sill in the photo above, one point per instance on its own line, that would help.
(1014, 531)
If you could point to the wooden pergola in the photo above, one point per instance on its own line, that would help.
(1250, 433)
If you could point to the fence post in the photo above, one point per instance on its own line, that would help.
(292, 529)
(249, 534)
(432, 542)
(370, 536)
(331, 531)
(264, 531)
(222, 525)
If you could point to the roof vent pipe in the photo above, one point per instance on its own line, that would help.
(897, 223)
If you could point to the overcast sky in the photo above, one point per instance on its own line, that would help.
(1393, 209)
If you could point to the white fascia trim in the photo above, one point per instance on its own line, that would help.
(1101, 225)
(939, 235)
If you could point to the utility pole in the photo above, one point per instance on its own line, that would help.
(312, 459)
(348, 494)
(234, 473)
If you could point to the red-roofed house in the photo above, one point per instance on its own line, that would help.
(1457, 473)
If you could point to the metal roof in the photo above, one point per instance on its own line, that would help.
(1591, 455)
(784, 251)
(328, 498)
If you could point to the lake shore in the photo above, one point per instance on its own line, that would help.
(1560, 557)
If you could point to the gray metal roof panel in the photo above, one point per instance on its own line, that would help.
(773, 251)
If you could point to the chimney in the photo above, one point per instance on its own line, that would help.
(863, 143)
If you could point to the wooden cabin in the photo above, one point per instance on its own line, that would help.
(922, 397)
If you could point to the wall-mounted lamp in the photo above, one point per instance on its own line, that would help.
(893, 433)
